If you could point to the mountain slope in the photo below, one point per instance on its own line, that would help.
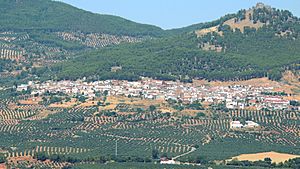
(39, 33)
(58, 16)
(200, 26)
(223, 54)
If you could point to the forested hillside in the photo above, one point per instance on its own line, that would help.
(40, 33)
(58, 16)
(264, 50)
(41, 38)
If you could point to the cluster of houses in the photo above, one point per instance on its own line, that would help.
(234, 97)
(239, 125)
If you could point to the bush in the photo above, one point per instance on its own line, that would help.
(155, 154)
(41, 156)
(200, 114)
(2, 159)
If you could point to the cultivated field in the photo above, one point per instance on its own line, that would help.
(276, 157)
(90, 131)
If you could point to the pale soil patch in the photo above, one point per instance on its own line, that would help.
(28, 102)
(291, 77)
(251, 108)
(37, 65)
(147, 102)
(276, 157)
(15, 160)
(205, 104)
(16, 72)
(126, 113)
(167, 110)
(296, 97)
(160, 104)
(88, 104)
(108, 107)
(202, 32)
(258, 82)
(44, 114)
(293, 84)
(119, 99)
(261, 82)
(246, 22)
(30, 160)
(137, 102)
(115, 100)
(12, 106)
(2, 166)
(69, 104)
(31, 101)
(191, 112)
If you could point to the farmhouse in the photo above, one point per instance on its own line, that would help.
(236, 124)
(251, 124)
(116, 68)
(231, 104)
(22, 87)
(167, 161)
(275, 102)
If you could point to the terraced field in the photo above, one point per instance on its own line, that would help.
(24, 51)
(82, 133)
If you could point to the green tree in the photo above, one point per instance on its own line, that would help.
(200, 115)
(201, 160)
(82, 99)
(152, 108)
(2, 159)
(268, 160)
(155, 154)
(139, 110)
(105, 93)
(41, 156)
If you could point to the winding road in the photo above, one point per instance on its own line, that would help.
(192, 150)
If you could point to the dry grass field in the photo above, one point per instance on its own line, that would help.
(2, 166)
(286, 86)
(31, 101)
(88, 103)
(191, 112)
(135, 102)
(244, 23)
(69, 104)
(45, 113)
(254, 82)
(247, 22)
(203, 32)
(16, 160)
(276, 157)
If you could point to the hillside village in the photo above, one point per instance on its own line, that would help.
(85, 90)
(234, 97)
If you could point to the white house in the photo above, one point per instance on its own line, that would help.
(167, 161)
(251, 124)
(22, 87)
(236, 124)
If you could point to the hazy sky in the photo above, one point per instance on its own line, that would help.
(176, 13)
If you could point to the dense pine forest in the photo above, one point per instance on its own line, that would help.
(58, 16)
(263, 52)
